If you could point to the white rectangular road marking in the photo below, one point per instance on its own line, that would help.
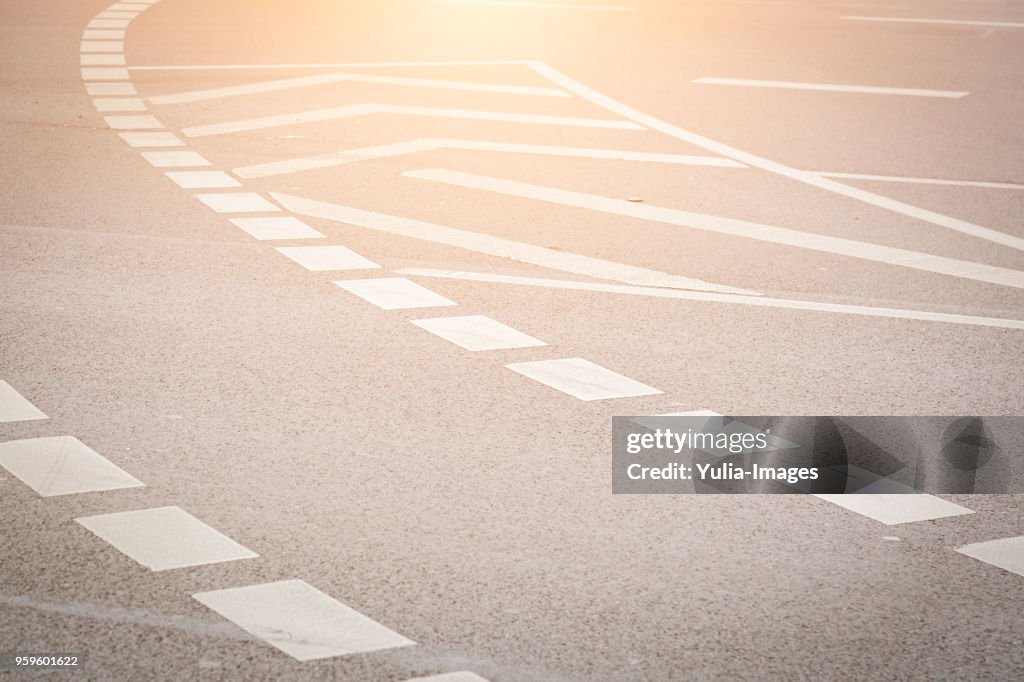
(460, 676)
(1007, 553)
(731, 226)
(582, 379)
(131, 7)
(203, 179)
(102, 46)
(104, 74)
(132, 122)
(95, 59)
(283, 227)
(103, 34)
(830, 87)
(708, 297)
(895, 509)
(119, 104)
(478, 332)
(921, 181)
(352, 110)
(950, 22)
(152, 140)
(319, 258)
(165, 538)
(237, 202)
(62, 465)
(101, 89)
(540, 5)
(16, 408)
(414, 146)
(108, 23)
(117, 15)
(326, 78)
(175, 159)
(497, 246)
(300, 620)
(394, 293)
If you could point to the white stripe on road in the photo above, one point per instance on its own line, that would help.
(108, 23)
(950, 22)
(236, 202)
(128, 6)
(353, 110)
(102, 34)
(104, 74)
(16, 408)
(478, 333)
(203, 179)
(117, 15)
(319, 258)
(896, 508)
(165, 538)
(152, 140)
(831, 87)
(175, 159)
(394, 293)
(283, 227)
(497, 246)
(62, 465)
(101, 89)
(805, 177)
(300, 620)
(582, 379)
(730, 226)
(323, 79)
(97, 59)
(132, 122)
(414, 146)
(1007, 553)
(119, 104)
(922, 181)
(759, 301)
(101, 46)
(459, 676)
(541, 5)
(332, 65)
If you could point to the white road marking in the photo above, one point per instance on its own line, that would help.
(104, 74)
(108, 23)
(831, 87)
(320, 258)
(16, 408)
(62, 465)
(895, 509)
(128, 6)
(101, 34)
(1006, 553)
(582, 379)
(101, 46)
(805, 177)
(175, 159)
(477, 333)
(152, 140)
(100, 89)
(760, 301)
(203, 179)
(117, 15)
(460, 676)
(414, 146)
(332, 65)
(353, 110)
(323, 79)
(165, 538)
(497, 246)
(300, 620)
(101, 59)
(283, 227)
(730, 226)
(394, 293)
(119, 104)
(950, 22)
(922, 181)
(132, 122)
(236, 202)
(540, 5)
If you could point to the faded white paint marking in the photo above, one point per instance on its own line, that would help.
(949, 22)
(334, 257)
(283, 227)
(898, 508)
(497, 246)
(478, 333)
(104, 74)
(300, 620)
(108, 23)
(103, 34)
(353, 110)
(152, 140)
(101, 46)
(760, 301)
(922, 181)
(119, 104)
(62, 465)
(321, 65)
(97, 59)
(203, 179)
(117, 15)
(582, 379)
(165, 538)
(101, 89)
(1007, 553)
(733, 227)
(16, 408)
(394, 293)
(832, 87)
(181, 159)
(132, 122)
(237, 202)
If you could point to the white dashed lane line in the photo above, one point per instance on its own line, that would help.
(1007, 553)
(109, 34)
(320, 258)
(948, 22)
(394, 293)
(237, 202)
(897, 508)
(203, 179)
(99, 59)
(832, 87)
(152, 140)
(280, 227)
(101, 46)
(102, 89)
(145, 122)
(165, 538)
(582, 379)
(300, 620)
(119, 104)
(99, 73)
(62, 465)
(180, 159)
(16, 408)
(478, 333)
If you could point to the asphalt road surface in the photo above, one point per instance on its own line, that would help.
(315, 315)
